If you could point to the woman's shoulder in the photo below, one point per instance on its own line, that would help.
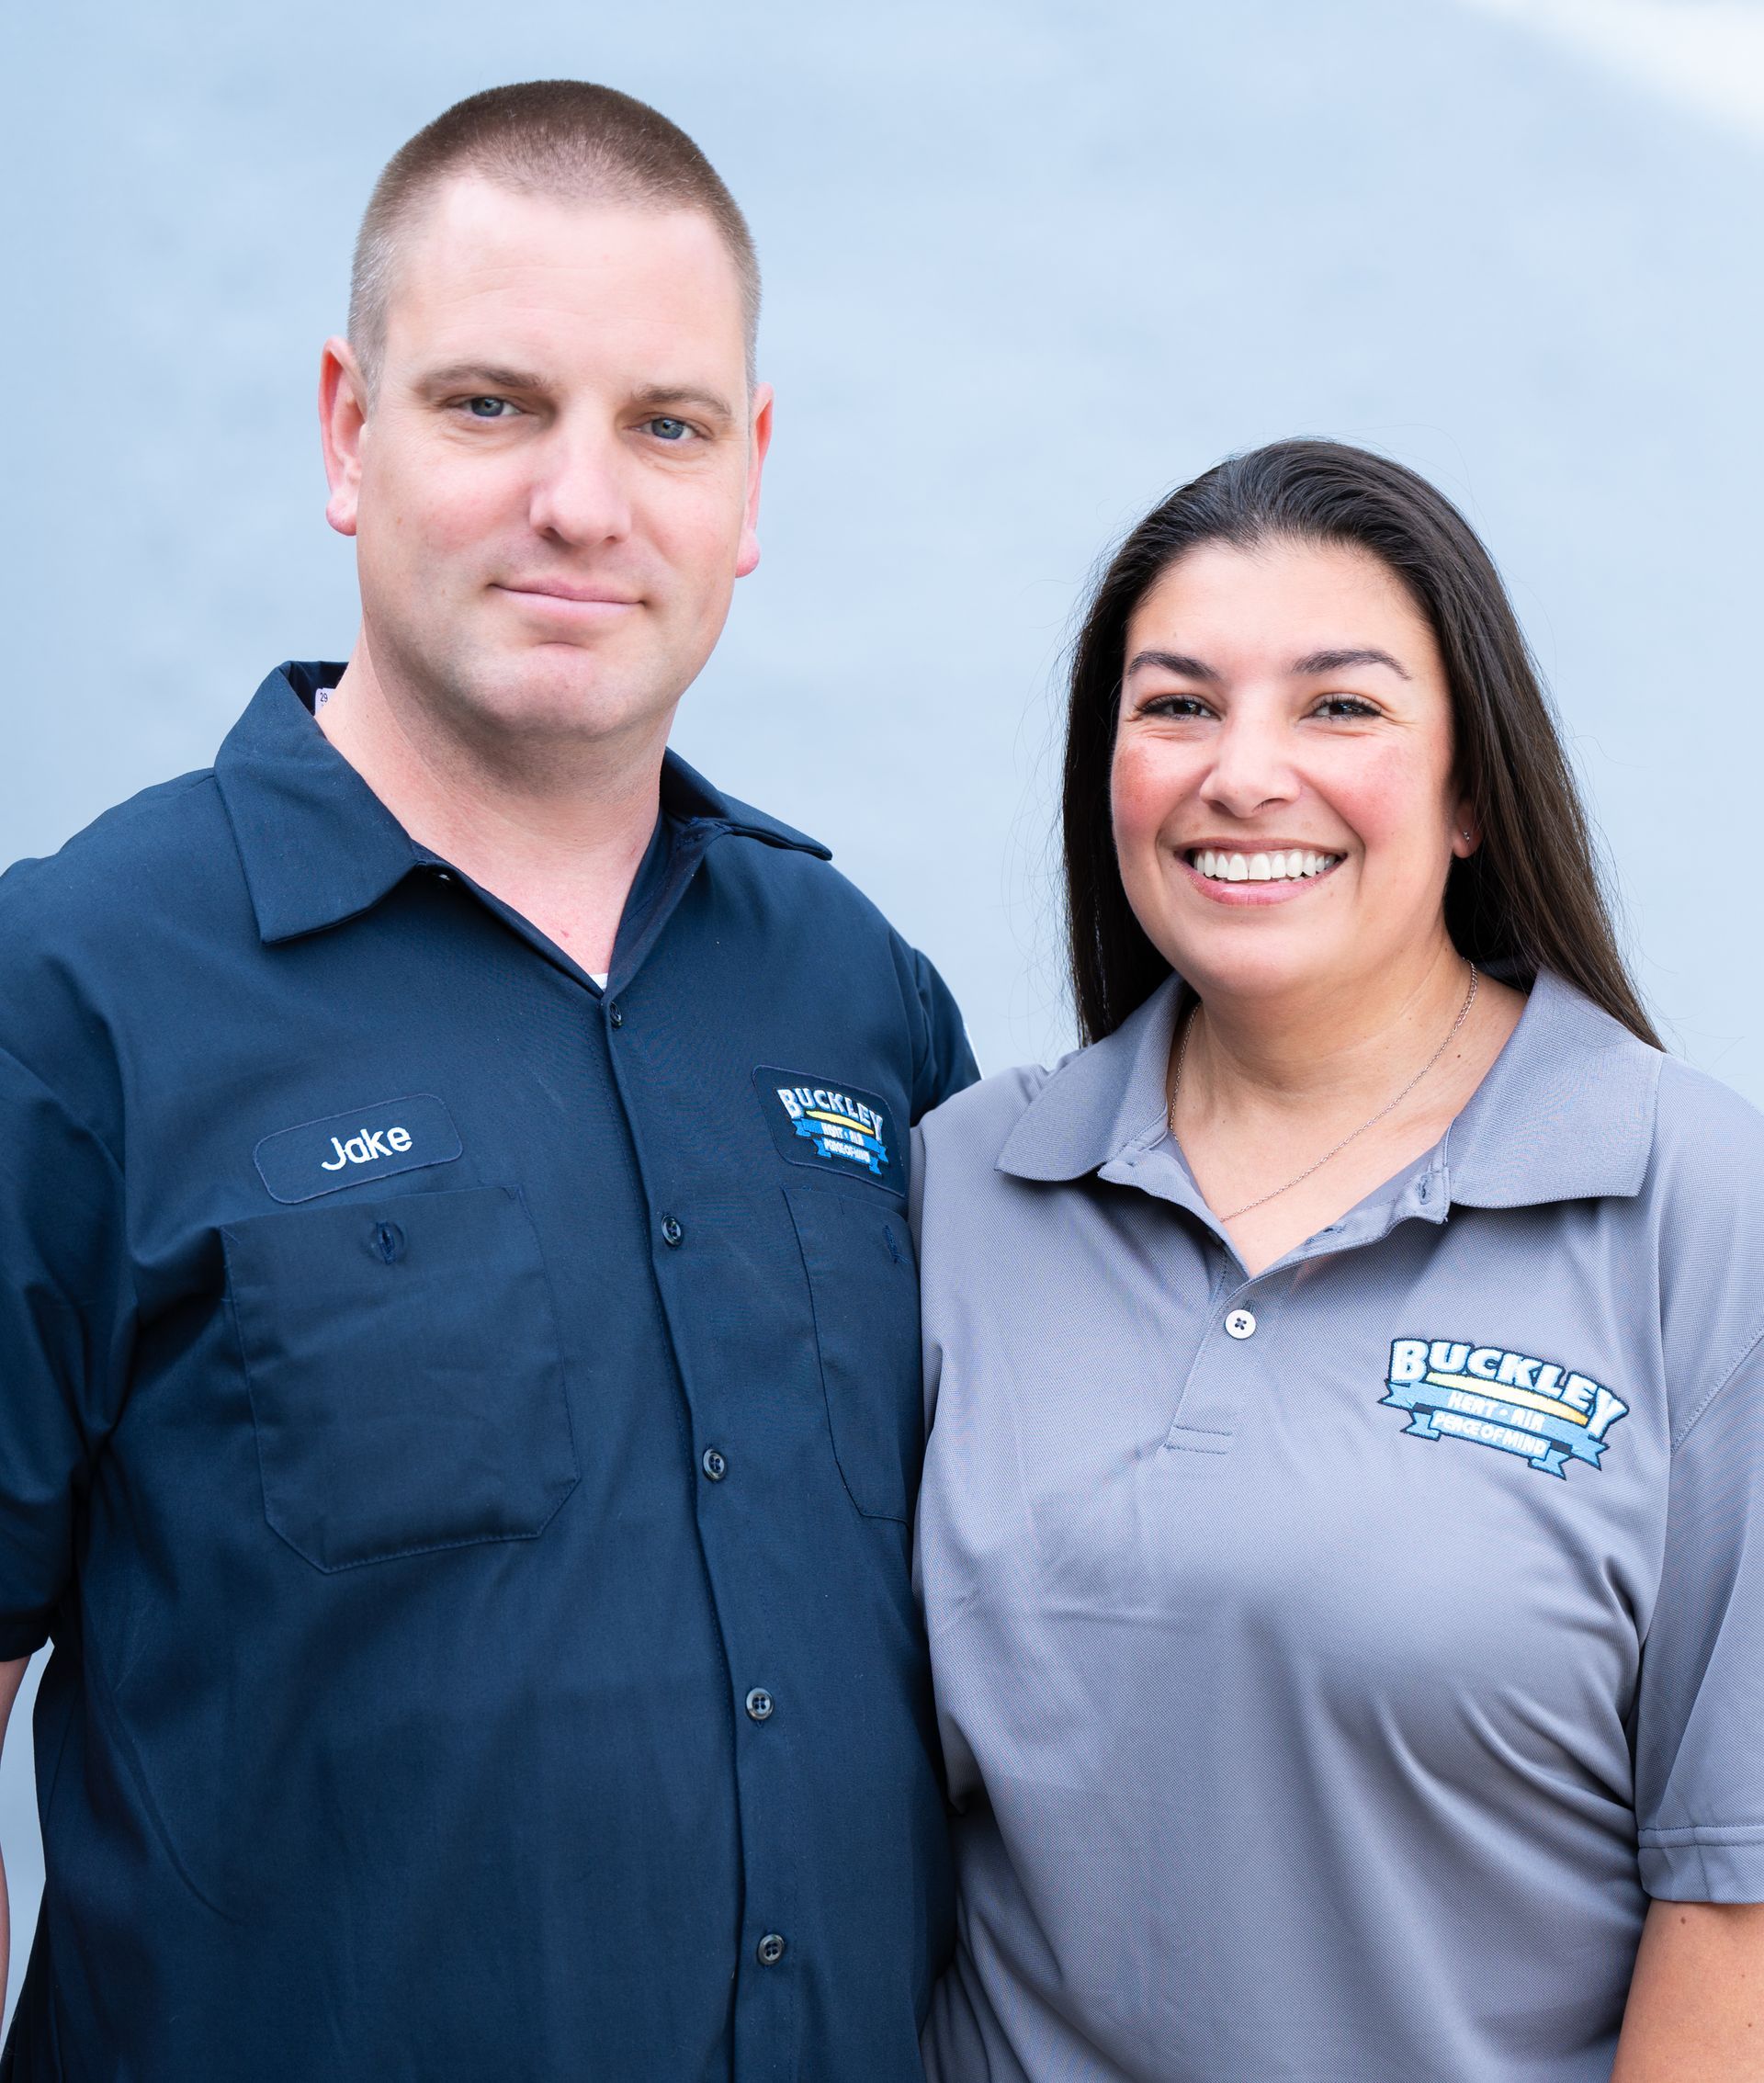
(956, 1147)
(1708, 1121)
(1586, 1107)
(972, 1127)
(1708, 1141)
(1702, 1203)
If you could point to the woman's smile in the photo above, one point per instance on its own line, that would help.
(1264, 875)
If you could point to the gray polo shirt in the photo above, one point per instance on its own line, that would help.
(1329, 1665)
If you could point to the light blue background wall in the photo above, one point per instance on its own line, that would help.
(1028, 266)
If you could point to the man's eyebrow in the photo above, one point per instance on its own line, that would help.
(1174, 662)
(1341, 661)
(480, 377)
(685, 394)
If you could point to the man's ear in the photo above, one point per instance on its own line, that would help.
(759, 440)
(342, 417)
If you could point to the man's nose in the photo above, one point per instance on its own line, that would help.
(1252, 767)
(581, 489)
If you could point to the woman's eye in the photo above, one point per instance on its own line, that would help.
(489, 408)
(1344, 705)
(668, 430)
(1176, 705)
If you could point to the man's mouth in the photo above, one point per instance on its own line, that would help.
(571, 594)
(1295, 863)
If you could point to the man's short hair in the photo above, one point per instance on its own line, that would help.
(566, 139)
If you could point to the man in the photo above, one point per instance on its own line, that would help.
(458, 1349)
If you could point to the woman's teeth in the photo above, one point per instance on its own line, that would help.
(1261, 867)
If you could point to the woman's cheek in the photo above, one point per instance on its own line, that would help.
(1391, 800)
(1134, 819)
(1144, 794)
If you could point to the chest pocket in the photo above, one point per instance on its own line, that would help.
(405, 1375)
(857, 1254)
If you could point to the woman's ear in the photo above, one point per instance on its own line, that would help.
(1467, 831)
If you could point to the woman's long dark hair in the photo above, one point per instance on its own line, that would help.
(1531, 895)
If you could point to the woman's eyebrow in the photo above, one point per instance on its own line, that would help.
(1339, 661)
(1172, 661)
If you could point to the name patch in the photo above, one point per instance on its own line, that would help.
(322, 1157)
(1546, 1413)
(829, 1126)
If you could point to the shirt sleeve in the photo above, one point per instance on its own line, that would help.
(1698, 1726)
(945, 1064)
(66, 1324)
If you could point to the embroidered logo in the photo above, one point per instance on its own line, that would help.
(829, 1126)
(1545, 1413)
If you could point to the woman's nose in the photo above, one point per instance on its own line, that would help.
(1251, 768)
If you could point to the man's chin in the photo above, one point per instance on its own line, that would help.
(566, 691)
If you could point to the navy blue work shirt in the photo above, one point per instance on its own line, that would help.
(459, 1429)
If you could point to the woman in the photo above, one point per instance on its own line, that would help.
(1341, 1534)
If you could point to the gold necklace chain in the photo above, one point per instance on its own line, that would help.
(1390, 1107)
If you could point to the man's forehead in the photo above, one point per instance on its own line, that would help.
(478, 245)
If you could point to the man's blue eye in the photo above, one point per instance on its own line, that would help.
(486, 408)
(669, 430)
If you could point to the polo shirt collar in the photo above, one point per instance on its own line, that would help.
(1566, 1112)
(318, 846)
(1102, 1102)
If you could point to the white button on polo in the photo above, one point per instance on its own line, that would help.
(1241, 1324)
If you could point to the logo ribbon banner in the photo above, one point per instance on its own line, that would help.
(1542, 1412)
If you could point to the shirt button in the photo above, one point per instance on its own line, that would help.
(671, 1232)
(1241, 1324)
(614, 1018)
(714, 1465)
(759, 1704)
(770, 1950)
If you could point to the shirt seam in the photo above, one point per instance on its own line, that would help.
(1747, 1350)
(1654, 1835)
(919, 1019)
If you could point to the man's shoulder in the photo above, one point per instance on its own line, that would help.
(123, 866)
(820, 932)
(799, 874)
(827, 892)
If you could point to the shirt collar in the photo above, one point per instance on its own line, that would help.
(1566, 1112)
(319, 846)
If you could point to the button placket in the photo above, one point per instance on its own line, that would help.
(1223, 1371)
